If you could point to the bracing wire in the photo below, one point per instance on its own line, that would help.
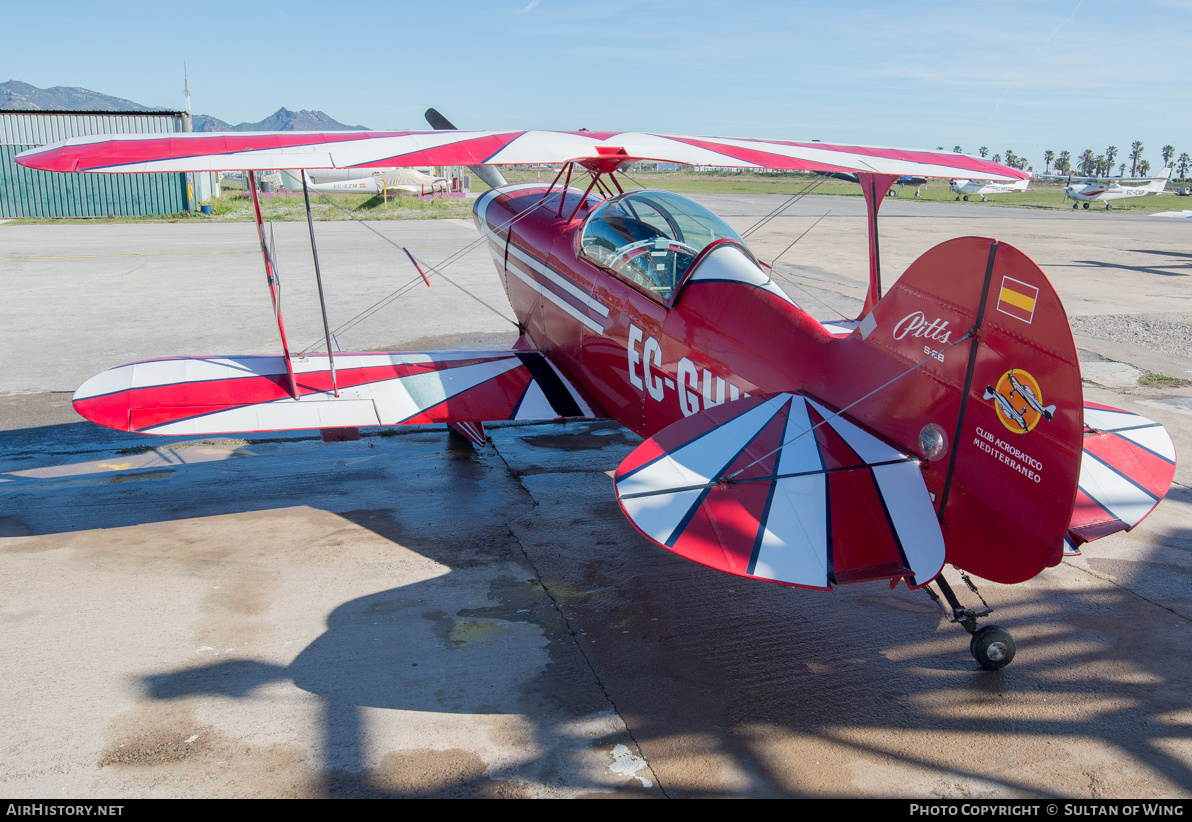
(795, 283)
(777, 211)
(403, 289)
(731, 477)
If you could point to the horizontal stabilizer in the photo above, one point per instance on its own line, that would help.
(781, 489)
(1127, 468)
(223, 395)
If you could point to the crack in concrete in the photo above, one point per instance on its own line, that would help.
(571, 628)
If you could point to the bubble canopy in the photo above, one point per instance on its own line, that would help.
(651, 238)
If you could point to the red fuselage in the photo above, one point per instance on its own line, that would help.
(649, 354)
(644, 359)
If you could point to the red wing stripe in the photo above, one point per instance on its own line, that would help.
(204, 152)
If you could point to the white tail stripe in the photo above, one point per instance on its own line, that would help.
(909, 506)
(1113, 492)
(1153, 438)
(794, 543)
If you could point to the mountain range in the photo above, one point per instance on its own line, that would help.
(18, 96)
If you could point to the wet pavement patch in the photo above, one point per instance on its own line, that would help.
(580, 441)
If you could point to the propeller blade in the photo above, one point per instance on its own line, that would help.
(489, 174)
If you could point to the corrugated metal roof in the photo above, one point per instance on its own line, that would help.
(37, 128)
(31, 193)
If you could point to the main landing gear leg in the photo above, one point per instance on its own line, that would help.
(991, 645)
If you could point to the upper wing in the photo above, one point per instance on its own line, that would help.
(294, 150)
(220, 395)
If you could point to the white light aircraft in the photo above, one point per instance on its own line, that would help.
(376, 182)
(970, 188)
(1097, 189)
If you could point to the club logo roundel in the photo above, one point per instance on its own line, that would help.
(1018, 401)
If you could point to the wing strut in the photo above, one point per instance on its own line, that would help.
(875, 187)
(272, 278)
(319, 281)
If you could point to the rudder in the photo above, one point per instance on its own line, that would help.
(1007, 400)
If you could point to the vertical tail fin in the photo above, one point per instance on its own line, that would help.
(1160, 182)
(1007, 400)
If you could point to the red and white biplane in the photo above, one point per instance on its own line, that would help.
(945, 424)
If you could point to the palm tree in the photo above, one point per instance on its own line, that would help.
(1110, 154)
(983, 151)
(1135, 157)
(1182, 165)
(1144, 168)
(1168, 152)
(1048, 159)
(957, 150)
(1011, 159)
(1088, 162)
(997, 158)
(1063, 163)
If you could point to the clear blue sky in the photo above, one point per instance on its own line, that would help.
(1007, 74)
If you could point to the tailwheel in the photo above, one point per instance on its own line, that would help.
(992, 647)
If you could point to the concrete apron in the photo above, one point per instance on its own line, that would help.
(404, 616)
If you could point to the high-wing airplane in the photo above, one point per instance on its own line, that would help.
(1103, 189)
(903, 181)
(945, 424)
(972, 188)
(374, 181)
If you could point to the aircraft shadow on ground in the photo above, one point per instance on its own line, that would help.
(866, 692)
(1182, 268)
(689, 657)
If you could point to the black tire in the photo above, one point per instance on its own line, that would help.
(966, 198)
(992, 647)
(1086, 206)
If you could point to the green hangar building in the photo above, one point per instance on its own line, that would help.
(28, 193)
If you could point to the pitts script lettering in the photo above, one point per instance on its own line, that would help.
(916, 325)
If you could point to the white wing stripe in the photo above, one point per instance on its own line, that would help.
(276, 416)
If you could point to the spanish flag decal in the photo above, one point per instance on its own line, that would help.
(1017, 299)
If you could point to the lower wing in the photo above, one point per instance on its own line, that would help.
(223, 395)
